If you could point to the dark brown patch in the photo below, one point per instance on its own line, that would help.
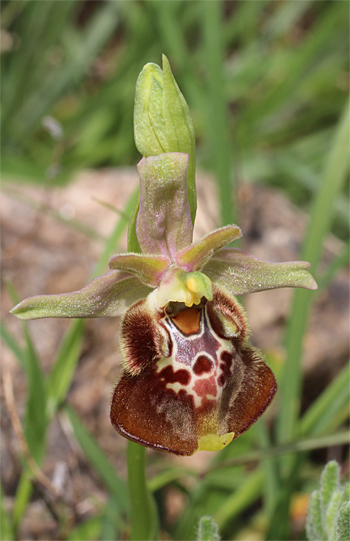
(180, 376)
(225, 365)
(145, 411)
(188, 320)
(203, 365)
(248, 393)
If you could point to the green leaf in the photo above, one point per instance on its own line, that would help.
(314, 529)
(322, 516)
(216, 110)
(245, 495)
(6, 527)
(328, 486)
(343, 523)
(119, 228)
(62, 372)
(12, 344)
(208, 530)
(345, 497)
(331, 515)
(87, 530)
(23, 492)
(323, 414)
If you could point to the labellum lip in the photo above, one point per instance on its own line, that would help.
(191, 379)
(209, 389)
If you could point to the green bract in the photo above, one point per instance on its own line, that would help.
(163, 122)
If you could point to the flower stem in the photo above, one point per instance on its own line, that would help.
(142, 505)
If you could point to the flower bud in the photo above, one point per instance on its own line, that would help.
(162, 120)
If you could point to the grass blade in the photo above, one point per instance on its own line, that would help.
(100, 463)
(12, 344)
(323, 413)
(321, 215)
(63, 370)
(247, 494)
(6, 529)
(89, 529)
(217, 111)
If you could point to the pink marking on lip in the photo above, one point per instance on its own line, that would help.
(206, 386)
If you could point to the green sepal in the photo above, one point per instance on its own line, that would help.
(240, 272)
(108, 295)
(163, 224)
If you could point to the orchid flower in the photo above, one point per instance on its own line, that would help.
(190, 380)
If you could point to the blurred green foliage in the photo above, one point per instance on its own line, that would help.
(265, 82)
(328, 514)
(267, 86)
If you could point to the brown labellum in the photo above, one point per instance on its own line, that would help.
(190, 376)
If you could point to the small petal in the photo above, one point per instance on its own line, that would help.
(240, 272)
(164, 222)
(183, 287)
(142, 339)
(107, 295)
(148, 268)
(194, 257)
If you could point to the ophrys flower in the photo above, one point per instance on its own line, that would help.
(191, 380)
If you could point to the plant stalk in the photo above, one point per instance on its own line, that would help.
(142, 506)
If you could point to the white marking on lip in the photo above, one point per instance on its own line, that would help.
(224, 346)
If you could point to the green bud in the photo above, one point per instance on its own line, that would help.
(162, 120)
